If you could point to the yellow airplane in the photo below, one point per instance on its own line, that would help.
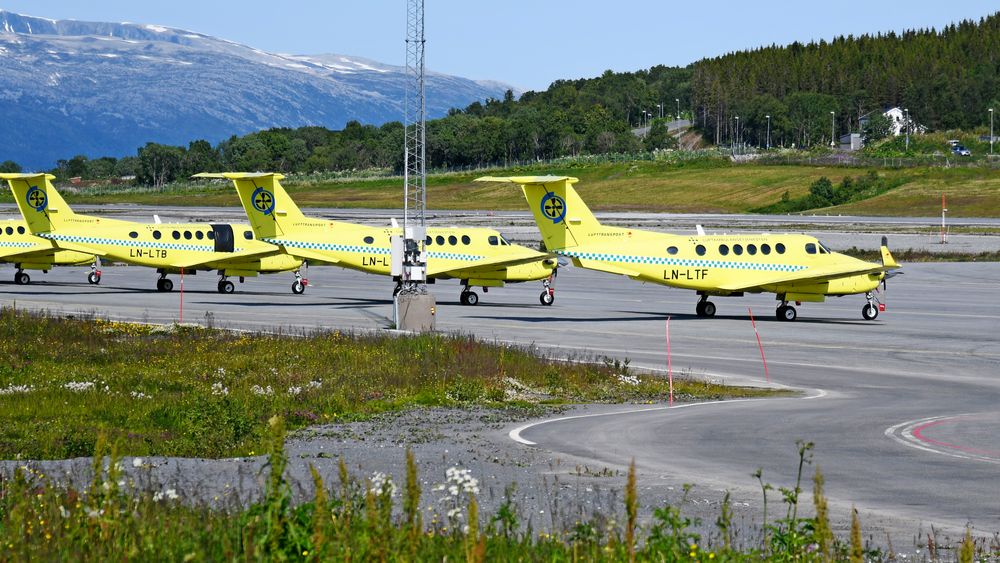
(478, 257)
(29, 252)
(795, 268)
(169, 247)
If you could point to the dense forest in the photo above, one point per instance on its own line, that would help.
(947, 79)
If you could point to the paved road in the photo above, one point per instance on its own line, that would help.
(903, 410)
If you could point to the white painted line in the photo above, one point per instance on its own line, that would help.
(902, 433)
(515, 434)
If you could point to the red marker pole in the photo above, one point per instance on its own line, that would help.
(670, 370)
(759, 345)
(181, 321)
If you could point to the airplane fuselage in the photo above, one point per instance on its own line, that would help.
(19, 246)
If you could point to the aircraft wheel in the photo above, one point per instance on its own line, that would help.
(226, 286)
(22, 278)
(93, 278)
(298, 288)
(546, 298)
(708, 309)
(469, 298)
(164, 284)
(869, 312)
(787, 313)
(699, 309)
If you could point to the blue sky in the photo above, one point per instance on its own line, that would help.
(526, 43)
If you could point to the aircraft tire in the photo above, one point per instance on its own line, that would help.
(469, 298)
(298, 288)
(699, 309)
(22, 278)
(869, 312)
(164, 285)
(546, 298)
(93, 278)
(226, 286)
(787, 313)
(708, 309)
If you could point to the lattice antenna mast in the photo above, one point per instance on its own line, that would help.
(415, 174)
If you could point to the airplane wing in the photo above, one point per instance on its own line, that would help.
(295, 249)
(499, 262)
(62, 244)
(28, 248)
(813, 275)
(605, 267)
(233, 257)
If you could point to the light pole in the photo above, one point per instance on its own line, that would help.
(659, 108)
(833, 120)
(768, 131)
(737, 134)
(906, 123)
(678, 100)
(991, 131)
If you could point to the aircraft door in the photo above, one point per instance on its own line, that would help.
(224, 241)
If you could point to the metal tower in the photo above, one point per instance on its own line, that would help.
(414, 121)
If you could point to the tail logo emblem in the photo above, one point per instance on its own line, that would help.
(37, 199)
(263, 201)
(553, 207)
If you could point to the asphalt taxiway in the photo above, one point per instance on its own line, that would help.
(902, 410)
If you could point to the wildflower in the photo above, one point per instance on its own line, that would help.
(219, 390)
(294, 391)
(137, 462)
(382, 484)
(79, 386)
(12, 389)
(172, 494)
(261, 391)
(140, 395)
(63, 512)
(315, 384)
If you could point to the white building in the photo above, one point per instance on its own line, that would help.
(897, 118)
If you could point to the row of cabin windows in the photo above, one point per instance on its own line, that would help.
(188, 235)
(10, 230)
(750, 249)
(440, 240)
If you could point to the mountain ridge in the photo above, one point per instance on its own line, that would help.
(97, 88)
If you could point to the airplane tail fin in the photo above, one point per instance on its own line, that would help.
(268, 206)
(563, 218)
(41, 205)
(887, 260)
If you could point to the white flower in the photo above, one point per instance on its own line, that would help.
(157, 496)
(315, 384)
(12, 389)
(172, 494)
(382, 484)
(219, 390)
(63, 512)
(140, 395)
(260, 391)
(454, 512)
(137, 462)
(294, 391)
(79, 386)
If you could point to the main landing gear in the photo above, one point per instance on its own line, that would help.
(786, 312)
(21, 277)
(705, 308)
(226, 286)
(164, 284)
(469, 297)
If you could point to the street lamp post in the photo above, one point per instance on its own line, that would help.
(768, 131)
(659, 109)
(991, 131)
(736, 137)
(833, 121)
(678, 100)
(906, 124)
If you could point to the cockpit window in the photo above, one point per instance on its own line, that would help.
(493, 240)
(503, 241)
(810, 248)
(822, 248)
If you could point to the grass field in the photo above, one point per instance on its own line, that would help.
(711, 185)
(208, 393)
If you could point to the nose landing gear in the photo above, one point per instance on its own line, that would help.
(300, 283)
(548, 295)
(94, 277)
(870, 311)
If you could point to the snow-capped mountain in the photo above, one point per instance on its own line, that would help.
(70, 87)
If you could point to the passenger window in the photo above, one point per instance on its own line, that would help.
(765, 248)
(133, 234)
(20, 230)
(779, 248)
(751, 249)
(810, 248)
(369, 240)
(428, 241)
(466, 240)
(187, 235)
(723, 249)
(671, 250)
(156, 235)
(10, 230)
(439, 240)
(176, 235)
(737, 249)
(699, 250)
(493, 240)
(248, 235)
(453, 240)
(210, 235)
(199, 235)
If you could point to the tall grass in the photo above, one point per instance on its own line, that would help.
(370, 519)
(200, 392)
